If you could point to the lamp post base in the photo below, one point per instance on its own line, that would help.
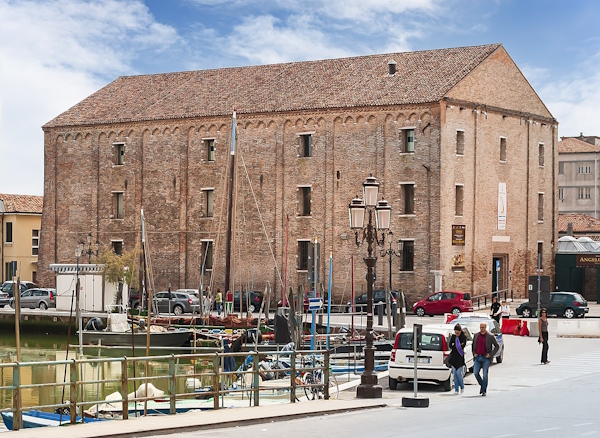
(367, 390)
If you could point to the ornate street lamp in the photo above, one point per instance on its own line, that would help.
(369, 387)
(92, 250)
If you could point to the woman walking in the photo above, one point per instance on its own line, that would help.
(458, 341)
(543, 339)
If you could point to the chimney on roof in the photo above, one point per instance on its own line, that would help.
(570, 229)
(391, 67)
(581, 135)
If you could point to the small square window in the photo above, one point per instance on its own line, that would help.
(408, 194)
(306, 145)
(408, 255)
(209, 204)
(561, 167)
(118, 205)
(35, 242)
(210, 147)
(117, 247)
(9, 233)
(304, 201)
(540, 207)
(408, 139)
(541, 154)
(502, 149)
(459, 201)
(460, 142)
(540, 254)
(207, 254)
(119, 154)
(303, 255)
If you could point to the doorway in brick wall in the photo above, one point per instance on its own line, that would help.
(499, 272)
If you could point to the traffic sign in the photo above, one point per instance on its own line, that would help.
(497, 265)
(315, 303)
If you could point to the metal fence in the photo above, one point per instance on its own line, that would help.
(481, 301)
(211, 371)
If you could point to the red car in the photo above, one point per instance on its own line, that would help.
(446, 301)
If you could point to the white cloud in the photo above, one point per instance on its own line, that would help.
(54, 54)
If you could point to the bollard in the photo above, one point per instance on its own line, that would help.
(380, 313)
(124, 388)
(255, 382)
(172, 387)
(326, 374)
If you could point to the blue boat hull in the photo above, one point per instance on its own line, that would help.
(36, 418)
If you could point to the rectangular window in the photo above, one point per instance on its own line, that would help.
(209, 204)
(540, 254)
(580, 193)
(502, 149)
(35, 242)
(561, 168)
(207, 254)
(584, 168)
(561, 194)
(10, 269)
(210, 147)
(304, 201)
(408, 139)
(118, 205)
(460, 142)
(540, 207)
(117, 247)
(119, 153)
(458, 209)
(408, 193)
(408, 255)
(9, 233)
(541, 154)
(303, 255)
(306, 145)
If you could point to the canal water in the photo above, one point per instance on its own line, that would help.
(51, 348)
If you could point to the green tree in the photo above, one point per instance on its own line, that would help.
(121, 267)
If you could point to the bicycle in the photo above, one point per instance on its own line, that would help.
(313, 381)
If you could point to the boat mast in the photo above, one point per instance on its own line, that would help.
(230, 206)
(149, 310)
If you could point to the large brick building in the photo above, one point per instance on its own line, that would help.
(460, 141)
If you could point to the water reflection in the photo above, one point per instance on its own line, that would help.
(52, 348)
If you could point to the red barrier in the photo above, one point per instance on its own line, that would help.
(524, 329)
(450, 317)
(510, 326)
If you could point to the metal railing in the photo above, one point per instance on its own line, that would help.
(481, 301)
(211, 371)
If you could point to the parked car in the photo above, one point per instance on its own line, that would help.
(252, 304)
(9, 287)
(567, 304)
(178, 304)
(472, 323)
(134, 299)
(4, 299)
(194, 292)
(446, 301)
(379, 296)
(36, 299)
(435, 347)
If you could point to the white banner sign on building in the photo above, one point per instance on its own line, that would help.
(501, 206)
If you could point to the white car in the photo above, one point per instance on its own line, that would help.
(430, 361)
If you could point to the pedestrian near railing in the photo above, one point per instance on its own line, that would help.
(485, 300)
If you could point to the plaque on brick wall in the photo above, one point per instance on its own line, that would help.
(458, 235)
(458, 261)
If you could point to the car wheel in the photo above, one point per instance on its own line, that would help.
(178, 310)
(447, 384)
(456, 311)
(393, 384)
(464, 370)
(500, 358)
(526, 312)
(43, 306)
(420, 311)
(569, 313)
(252, 309)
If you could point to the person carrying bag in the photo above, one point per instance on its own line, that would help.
(456, 359)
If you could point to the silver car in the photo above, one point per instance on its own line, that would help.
(37, 299)
(180, 303)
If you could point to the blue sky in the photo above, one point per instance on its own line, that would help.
(54, 53)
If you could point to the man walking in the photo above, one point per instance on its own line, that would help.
(484, 347)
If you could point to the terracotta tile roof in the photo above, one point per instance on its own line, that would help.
(424, 76)
(582, 223)
(573, 145)
(22, 203)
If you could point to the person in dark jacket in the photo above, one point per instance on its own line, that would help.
(458, 341)
(496, 310)
(485, 346)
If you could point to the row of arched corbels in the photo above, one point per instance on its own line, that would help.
(402, 118)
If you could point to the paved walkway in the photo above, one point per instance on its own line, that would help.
(147, 426)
